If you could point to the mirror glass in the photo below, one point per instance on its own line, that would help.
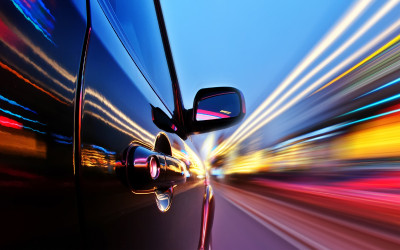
(218, 106)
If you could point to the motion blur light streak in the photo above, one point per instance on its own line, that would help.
(334, 33)
(375, 139)
(6, 122)
(239, 133)
(395, 40)
(116, 119)
(13, 36)
(260, 123)
(36, 13)
(387, 7)
(38, 68)
(29, 82)
(374, 104)
(372, 117)
(97, 116)
(16, 104)
(21, 117)
(107, 103)
(381, 87)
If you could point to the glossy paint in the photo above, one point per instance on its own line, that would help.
(117, 111)
(41, 44)
(73, 101)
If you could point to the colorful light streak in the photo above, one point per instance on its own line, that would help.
(372, 117)
(21, 117)
(118, 121)
(322, 137)
(370, 73)
(62, 137)
(103, 149)
(389, 99)
(108, 104)
(239, 136)
(148, 143)
(38, 15)
(38, 68)
(243, 128)
(16, 104)
(308, 135)
(63, 142)
(121, 121)
(31, 83)
(353, 14)
(18, 37)
(7, 122)
(381, 87)
(378, 68)
(334, 127)
(386, 46)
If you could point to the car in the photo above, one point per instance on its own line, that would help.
(94, 148)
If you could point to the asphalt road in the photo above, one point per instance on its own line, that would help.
(250, 219)
(234, 229)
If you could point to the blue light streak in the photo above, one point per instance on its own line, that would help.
(322, 137)
(379, 88)
(34, 130)
(308, 135)
(31, 16)
(21, 117)
(342, 125)
(63, 142)
(61, 137)
(103, 149)
(374, 104)
(16, 104)
(371, 117)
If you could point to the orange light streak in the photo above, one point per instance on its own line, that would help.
(29, 82)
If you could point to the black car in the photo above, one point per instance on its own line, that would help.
(93, 132)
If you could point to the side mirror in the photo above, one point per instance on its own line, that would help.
(217, 108)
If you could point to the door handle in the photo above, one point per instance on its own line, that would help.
(147, 171)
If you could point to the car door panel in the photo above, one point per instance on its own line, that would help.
(117, 111)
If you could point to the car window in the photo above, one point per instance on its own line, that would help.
(136, 24)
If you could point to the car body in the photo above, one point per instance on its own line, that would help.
(93, 137)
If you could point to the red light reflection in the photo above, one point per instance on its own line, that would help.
(7, 122)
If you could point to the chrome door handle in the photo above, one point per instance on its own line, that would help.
(147, 171)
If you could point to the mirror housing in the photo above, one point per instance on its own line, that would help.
(216, 108)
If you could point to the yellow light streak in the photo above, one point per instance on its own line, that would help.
(375, 139)
(118, 121)
(147, 142)
(107, 103)
(360, 63)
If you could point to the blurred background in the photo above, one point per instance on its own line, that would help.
(316, 161)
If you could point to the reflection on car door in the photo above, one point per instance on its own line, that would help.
(116, 111)
(40, 51)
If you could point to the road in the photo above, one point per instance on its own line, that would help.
(234, 228)
(252, 217)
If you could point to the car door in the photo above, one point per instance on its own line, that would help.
(126, 87)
